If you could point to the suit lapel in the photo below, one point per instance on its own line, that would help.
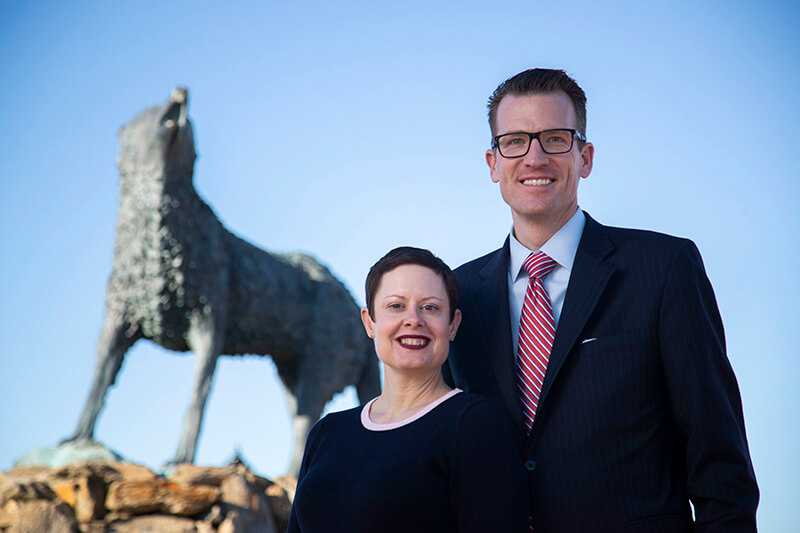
(589, 277)
(491, 304)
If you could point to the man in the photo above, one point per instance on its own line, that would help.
(605, 345)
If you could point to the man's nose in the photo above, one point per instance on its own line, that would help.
(535, 155)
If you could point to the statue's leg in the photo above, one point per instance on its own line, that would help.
(205, 340)
(307, 399)
(116, 338)
(368, 384)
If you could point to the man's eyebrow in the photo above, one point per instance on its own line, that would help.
(405, 297)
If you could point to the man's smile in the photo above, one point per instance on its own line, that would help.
(537, 181)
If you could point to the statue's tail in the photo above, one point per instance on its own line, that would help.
(369, 383)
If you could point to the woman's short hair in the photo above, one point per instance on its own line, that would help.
(408, 255)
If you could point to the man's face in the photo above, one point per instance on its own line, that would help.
(540, 188)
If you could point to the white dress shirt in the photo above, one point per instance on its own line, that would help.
(562, 248)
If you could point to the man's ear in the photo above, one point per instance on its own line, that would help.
(491, 160)
(587, 159)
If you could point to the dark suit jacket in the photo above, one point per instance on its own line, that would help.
(640, 411)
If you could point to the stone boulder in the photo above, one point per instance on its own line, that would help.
(105, 497)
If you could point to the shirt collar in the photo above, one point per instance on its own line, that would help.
(561, 247)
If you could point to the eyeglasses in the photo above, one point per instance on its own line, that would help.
(517, 144)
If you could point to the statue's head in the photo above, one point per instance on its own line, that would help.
(159, 141)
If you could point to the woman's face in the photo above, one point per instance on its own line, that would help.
(412, 327)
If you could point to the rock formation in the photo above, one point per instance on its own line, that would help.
(97, 497)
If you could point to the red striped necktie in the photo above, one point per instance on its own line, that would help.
(536, 332)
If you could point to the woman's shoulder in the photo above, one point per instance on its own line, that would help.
(471, 406)
(345, 413)
(477, 409)
(337, 420)
(486, 426)
(468, 400)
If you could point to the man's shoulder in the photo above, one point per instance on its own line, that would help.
(473, 267)
(644, 237)
(645, 251)
(641, 241)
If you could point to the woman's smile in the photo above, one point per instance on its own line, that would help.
(414, 342)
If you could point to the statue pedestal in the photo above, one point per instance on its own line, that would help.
(69, 452)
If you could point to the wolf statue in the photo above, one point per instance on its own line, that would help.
(183, 281)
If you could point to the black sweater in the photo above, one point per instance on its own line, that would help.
(458, 468)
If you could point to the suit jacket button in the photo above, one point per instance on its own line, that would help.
(530, 465)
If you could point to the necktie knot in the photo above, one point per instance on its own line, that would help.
(538, 265)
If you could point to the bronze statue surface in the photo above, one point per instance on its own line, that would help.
(183, 281)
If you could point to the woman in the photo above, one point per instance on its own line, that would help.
(421, 457)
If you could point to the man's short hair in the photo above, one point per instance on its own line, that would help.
(539, 81)
(407, 255)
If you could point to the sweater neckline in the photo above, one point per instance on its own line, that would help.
(367, 422)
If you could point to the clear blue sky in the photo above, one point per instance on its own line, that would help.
(692, 109)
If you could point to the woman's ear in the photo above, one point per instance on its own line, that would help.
(369, 325)
(455, 323)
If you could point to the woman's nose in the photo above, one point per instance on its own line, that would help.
(413, 317)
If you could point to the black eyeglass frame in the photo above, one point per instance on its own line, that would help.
(531, 136)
